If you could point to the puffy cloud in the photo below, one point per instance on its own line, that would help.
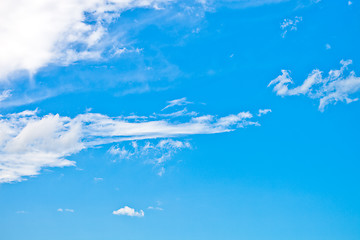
(29, 142)
(40, 32)
(335, 87)
(128, 211)
(290, 25)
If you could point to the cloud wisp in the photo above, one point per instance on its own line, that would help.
(177, 102)
(289, 25)
(329, 90)
(65, 210)
(30, 142)
(154, 153)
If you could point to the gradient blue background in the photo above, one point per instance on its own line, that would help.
(294, 177)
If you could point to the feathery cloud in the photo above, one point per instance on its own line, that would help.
(177, 102)
(289, 25)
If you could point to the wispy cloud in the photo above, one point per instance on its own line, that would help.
(128, 211)
(21, 212)
(154, 153)
(289, 25)
(335, 87)
(30, 142)
(4, 95)
(155, 208)
(98, 179)
(65, 210)
(177, 102)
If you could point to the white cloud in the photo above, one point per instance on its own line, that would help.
(4, 95)
(98, 179)
(328, 46)
(65, 210)
(21, 212)
(177, 102)
(40, 32)
(350, 3)
(335, 87)
(127, 211)
(155, 153)
(290, 25)
(263, 112)
(179, 113)
(161, 171)
(29, 143)
(155, 208)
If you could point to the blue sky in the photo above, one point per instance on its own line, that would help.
(180, 120)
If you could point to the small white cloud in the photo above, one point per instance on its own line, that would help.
(65, 210)
(21, 212)
(327, 46)
(263, 112)
(127, 211)
(98, 179)
(155, 208)
(335, 87)
(161, 171)
(177, 102)
(180, 113)
(350, 3)
(5, 94)
(290, 25)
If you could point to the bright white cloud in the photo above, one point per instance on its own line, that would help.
(40, 32)
(335, 87)
(29, 142)
(128, 211)
(290, 25)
